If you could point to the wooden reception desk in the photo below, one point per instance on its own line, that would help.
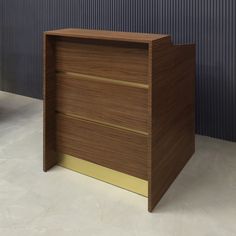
(119, 107)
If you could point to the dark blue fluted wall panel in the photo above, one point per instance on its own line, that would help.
(208, 23)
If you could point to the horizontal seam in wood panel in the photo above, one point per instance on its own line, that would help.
(104, 80)
(103, 123)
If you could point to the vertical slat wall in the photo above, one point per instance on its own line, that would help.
(208, 23)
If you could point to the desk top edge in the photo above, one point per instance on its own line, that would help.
(106, 35)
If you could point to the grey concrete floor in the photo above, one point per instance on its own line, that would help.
(202, 200)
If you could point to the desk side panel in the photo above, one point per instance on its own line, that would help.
(49, 159)
(173, 115)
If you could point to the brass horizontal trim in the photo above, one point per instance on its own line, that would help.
(103, 123)
(105, 174)
(104, 80)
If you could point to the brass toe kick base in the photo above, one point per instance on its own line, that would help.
(107, 175)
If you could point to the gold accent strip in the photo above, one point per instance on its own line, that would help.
(103, 79)
(107, 175)
(103, 123)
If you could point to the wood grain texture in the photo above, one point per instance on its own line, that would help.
(103, 102)
(129, 105)
(110, 147)
(100, 58)
(106, 35)
(49, 159)
(173, 115)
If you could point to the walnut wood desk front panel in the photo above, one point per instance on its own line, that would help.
(124, 101)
